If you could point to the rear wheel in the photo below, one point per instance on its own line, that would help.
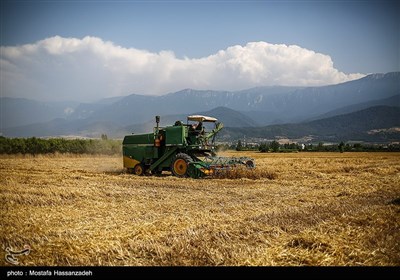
(138, 169)
(180, 165)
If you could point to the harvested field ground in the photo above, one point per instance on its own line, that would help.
(313, 209)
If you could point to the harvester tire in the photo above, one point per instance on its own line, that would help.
(138, 169)
(180, 165)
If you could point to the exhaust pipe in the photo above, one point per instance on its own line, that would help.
(157, 141)
(157, 121)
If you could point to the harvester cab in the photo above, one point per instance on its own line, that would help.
(202, 134)
(187, 150)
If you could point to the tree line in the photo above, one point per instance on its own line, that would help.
(35, 145)
(107, 146)
(276, 147)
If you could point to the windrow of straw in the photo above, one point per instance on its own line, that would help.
(239, 172)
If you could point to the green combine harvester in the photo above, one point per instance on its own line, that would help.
(186, 150)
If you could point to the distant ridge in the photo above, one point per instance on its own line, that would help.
(255, 107)
(353, 126)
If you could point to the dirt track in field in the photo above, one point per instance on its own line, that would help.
(304, 209)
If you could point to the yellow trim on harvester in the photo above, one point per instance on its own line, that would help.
(130, 162)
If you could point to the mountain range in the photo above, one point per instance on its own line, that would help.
(374, 124)
(255, 112)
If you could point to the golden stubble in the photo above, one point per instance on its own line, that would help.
(318, 209)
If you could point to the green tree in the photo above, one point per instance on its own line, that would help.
(274, 146)
(263, 148)
(357, 147)
(239, 146)
(341, 147)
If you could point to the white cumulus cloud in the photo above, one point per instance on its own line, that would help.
(60, 68)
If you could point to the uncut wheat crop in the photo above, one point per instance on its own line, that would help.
(314, 209)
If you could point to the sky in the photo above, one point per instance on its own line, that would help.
(88, 50)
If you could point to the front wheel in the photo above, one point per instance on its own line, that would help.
(180, 165)
(138, 169)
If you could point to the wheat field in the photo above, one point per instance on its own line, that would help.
(313, 209)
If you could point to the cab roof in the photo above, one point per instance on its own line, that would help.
(200, 118)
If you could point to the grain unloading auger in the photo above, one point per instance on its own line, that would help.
(187, 150)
